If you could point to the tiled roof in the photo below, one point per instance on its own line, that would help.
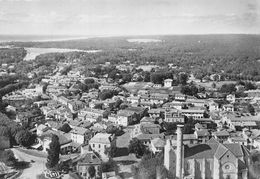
(88, 158)
(158, 142)
(209, 150)
(101, 138)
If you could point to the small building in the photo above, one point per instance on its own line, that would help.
(168, 83)
(100, 142)
(78, 134)
(86, 160)
(157, 145)
(221, 136)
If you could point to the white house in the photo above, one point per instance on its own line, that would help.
(100, 142)
(78, 134)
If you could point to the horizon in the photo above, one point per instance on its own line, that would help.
(129, 17)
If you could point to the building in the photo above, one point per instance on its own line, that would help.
(221, 136)
(157, 145)
(173, 115)
(231, 98)
(209, 160)
(100, 142)
(168, 83)
(194, 113)
(78, 134)
(228, 107)
(83, 162)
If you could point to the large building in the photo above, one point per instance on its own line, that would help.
(211, 160)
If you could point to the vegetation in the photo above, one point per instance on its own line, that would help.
(109, 166)
(12, 55)
(25, 138)
(8, 157)
(65, 128)
(151, 167)
(92, 171)
(53, 153)
(137, 147)
(254, 165)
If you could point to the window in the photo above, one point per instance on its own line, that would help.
(99, 146)
(227, 167)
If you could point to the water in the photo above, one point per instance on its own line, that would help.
(32, 53)
(38, 38)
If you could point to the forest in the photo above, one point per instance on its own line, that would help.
(234, 56)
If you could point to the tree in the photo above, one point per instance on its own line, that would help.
(109, 166)
(251, 109)
(170, 127)
(213, 85)
(228, 88)
(89, 81)
(189, 125)
(254, 165)
(114, 130)
(65, 128)
(111, 151)
(183, 78)
(8, 157)
(25, 138)
(92, 171)
(106, 94)
(137, 147)
(53, 153)
(151, 167)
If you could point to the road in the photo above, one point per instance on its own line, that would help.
(35, 169)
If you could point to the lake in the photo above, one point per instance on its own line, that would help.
(32, 53)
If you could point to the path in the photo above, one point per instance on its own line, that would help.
(35, 169)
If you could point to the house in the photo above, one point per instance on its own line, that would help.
(147, 120)
(100, 142)
(145, 128)
(194, 113)
(213, 106)
(202, 135)
(179, 97)
(64, 139)
(173, 115)
(238, 121)
(75, 105)
(124, 118)
(88, 114)
(83, 162)
(168, 83)
(40, 129)
(146, 138)
(221, 136)
(173, 104)
(238, 140)
(231, 98)
(133, 99)
(157, 145)
(228, 107)
(156, 112)
(78, 134)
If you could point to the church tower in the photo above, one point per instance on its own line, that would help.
(169, 158)
(179, 152)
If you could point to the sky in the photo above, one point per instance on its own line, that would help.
(129, 17)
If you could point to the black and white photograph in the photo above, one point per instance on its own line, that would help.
(129, 89)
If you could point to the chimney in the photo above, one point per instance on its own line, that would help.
(179, 152)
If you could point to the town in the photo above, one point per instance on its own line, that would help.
(126, 120)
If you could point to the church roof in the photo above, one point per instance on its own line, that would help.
(211, 149)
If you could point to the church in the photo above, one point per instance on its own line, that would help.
(211, 160)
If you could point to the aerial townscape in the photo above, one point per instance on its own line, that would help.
(181, 107)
